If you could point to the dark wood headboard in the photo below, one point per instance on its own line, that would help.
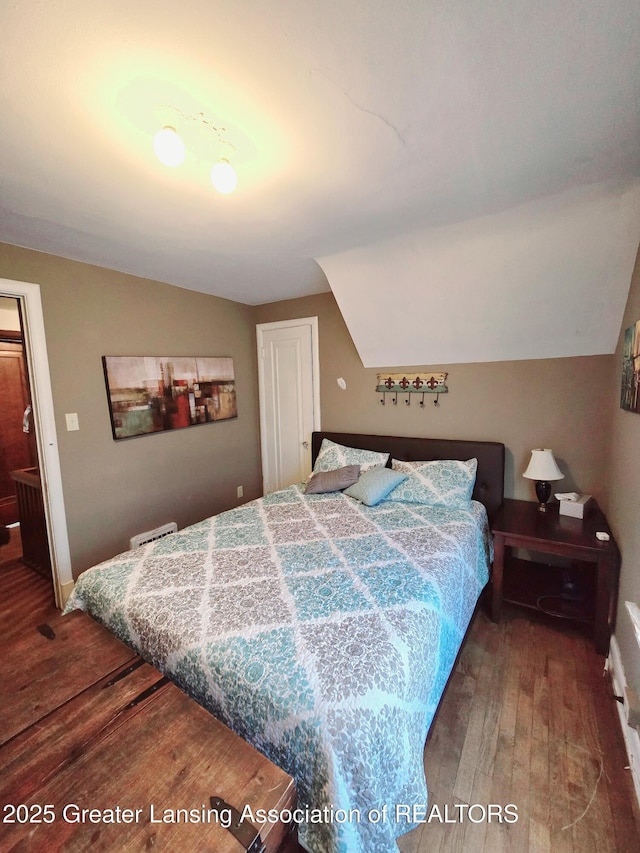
(489, 488)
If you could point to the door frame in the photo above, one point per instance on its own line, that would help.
(35, 346)
(261, 328)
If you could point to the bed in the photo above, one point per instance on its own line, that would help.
(320, 628)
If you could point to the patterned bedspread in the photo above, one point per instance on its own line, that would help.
(321, 630)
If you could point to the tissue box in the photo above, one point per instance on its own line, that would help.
(575, 509)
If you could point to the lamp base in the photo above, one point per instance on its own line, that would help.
(543, 491)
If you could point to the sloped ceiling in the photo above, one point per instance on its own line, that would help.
(465, 177)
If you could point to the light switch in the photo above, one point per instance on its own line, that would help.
(72, 421)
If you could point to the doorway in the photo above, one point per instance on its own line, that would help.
(22, 518)
(289, 389)
(44, 432)
(17, 439)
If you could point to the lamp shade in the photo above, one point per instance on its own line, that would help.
(543, 466)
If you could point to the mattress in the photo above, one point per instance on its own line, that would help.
(321, 630)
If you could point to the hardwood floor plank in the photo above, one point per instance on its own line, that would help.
(561, 812)
(454, 834)
(475, 830)
(590, 829)
(539, 836)
(472, 745)
(481, 738)
(539, 801)
(491, 723)
(455, 723)
(521, 772)
(556, 675)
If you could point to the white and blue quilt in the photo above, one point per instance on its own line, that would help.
(319, 629)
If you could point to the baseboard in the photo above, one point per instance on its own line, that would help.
(631, 736)
(65, 590)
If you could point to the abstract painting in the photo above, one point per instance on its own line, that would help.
(150, 394)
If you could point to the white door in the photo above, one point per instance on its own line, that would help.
(288, 378)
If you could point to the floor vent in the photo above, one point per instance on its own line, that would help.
(152, 535)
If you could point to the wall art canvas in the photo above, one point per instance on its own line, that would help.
(149, 394)
(630, 390)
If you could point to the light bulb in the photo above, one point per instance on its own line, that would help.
(223, 177)
(169, 147)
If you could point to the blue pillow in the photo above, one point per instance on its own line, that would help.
(375, 484)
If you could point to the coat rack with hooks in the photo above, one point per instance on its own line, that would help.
(408, 384)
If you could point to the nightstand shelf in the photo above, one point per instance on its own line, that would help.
(591, 565)
(541, 587)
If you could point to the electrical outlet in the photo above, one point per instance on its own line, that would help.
(240, 491)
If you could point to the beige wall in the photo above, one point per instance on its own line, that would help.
(560, 403)
(116, 489)
(624, 498)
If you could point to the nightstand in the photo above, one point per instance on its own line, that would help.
(585, 591)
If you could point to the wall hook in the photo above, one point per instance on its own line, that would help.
(396, 384)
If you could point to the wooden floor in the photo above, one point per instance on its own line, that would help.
(26, 598)
(528, 719)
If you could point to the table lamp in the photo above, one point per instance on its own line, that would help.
(543, 468)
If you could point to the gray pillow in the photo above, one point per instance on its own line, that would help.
(332, 481)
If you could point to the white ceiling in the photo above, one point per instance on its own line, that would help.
(374, 136)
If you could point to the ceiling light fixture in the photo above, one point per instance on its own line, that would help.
(223, 177)
(169, 147)
(170, 150)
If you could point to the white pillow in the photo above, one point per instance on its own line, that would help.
(332, 456)
(446, 482)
